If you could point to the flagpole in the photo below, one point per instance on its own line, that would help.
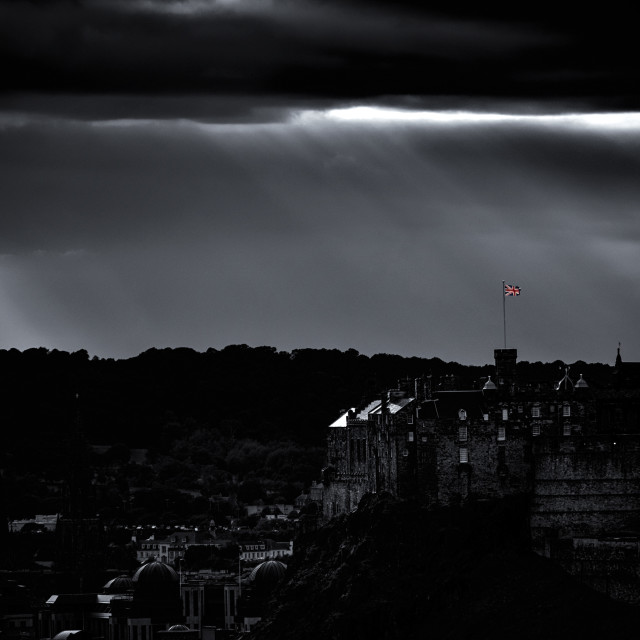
(504, 315)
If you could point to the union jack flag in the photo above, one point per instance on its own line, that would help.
(511, 290)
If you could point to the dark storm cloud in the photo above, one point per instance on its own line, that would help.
(320, 230)
(309, 48)
(186, 172)
(69, 184)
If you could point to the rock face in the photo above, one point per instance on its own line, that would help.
(393, 569)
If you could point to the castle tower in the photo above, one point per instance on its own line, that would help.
(505, 367)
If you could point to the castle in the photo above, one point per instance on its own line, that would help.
(572, 450)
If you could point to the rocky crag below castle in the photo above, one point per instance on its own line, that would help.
(394, 569)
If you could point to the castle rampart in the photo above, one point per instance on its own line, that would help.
(574, 451)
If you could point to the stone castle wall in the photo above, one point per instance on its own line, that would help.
(576, 455)
(584, 487)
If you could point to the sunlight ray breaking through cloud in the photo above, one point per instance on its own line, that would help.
(387, 115)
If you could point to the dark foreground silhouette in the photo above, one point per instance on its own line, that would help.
(393, 570)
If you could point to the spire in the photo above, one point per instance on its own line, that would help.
(618, 357)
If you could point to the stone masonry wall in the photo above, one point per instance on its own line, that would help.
(582, 490)
(498, 463)
(348, 477)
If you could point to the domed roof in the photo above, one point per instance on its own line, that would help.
(178, 627)
(268, 573)
(489, 385)
(582, 383)
(121, 584)
(155, 573)
(78, 634)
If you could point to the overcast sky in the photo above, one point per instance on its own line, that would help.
(318, 174)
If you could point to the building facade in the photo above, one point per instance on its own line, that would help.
(573, 450)
(170, 549)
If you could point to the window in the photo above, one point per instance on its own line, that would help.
(505, 414)
(410, 418)
(485, 417)
(462, 414)
(463, 433)
(536, 429)
(423, 438)
(405, 453)
(566, 410)
(464, 455)
(410, 436)
(502, 433)
(535, 412)
(566, 431)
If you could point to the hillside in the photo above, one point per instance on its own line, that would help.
(391, 570)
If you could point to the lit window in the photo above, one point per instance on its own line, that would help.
(462, 414)
(566, 430)
(505, 414)
(464, 455)
(535, 412)
(502, 433)
(566, 410)
(463, 433)
(536, 429)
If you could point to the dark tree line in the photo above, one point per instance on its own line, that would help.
(251, 422)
